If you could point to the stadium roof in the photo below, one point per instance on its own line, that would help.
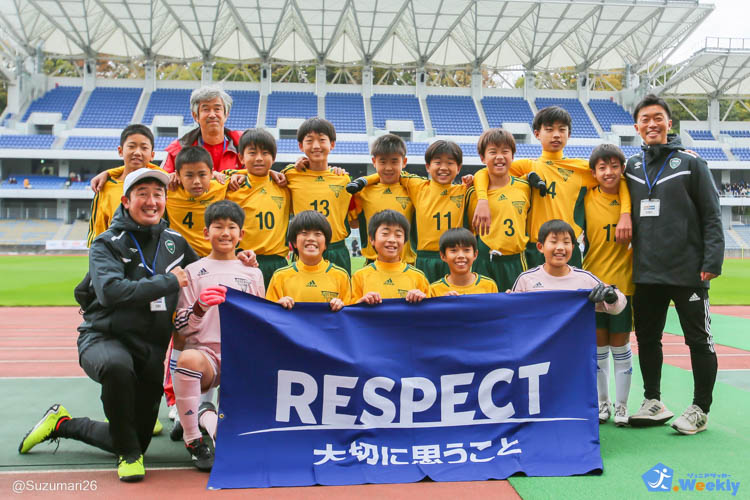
(530, 34)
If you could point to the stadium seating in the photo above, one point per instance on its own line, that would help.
(58, 100)
(582, 126)
(730, 242)
(351, 148)
(290, 105)
(109, 107)
(631, 150)
(701, 135)
(578, 151)
(453, 115)
(92, 143)
(736, 133)
(169, 102)
(711, 154)
(528, 150)
(396, 107)
(744, 232)
(506, 109)
(36, 181)
(346, 112)
(28, 231)
(416, 149)
(160, 143)
(609, 113)
(244, 112)
(34, 141)
(742, 154)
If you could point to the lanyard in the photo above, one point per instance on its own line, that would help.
(151, 269)
(645, 172)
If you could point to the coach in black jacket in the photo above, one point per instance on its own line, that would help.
(678, 247)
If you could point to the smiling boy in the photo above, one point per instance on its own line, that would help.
(458, 249)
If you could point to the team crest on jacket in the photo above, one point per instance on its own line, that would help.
(170, 246)
(674, 163)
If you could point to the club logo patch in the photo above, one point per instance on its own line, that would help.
(279, 200)
(403, 201)
(329, 295)
(565, 173)
(674, 163)
(458, 200)
(336, 189)
(169, 244)
(518, 205)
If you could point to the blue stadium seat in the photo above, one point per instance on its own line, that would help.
(528, 150)
(631, 150)
(609, 113)
(92, 143)
(701, 135)
(346, 112)
(58, 100)
(582, 126)
(506, 109)
(290, 105)
(396, 107)
(416, 149)
(169, 102)
(736, 133)
(35, 141)
(36, 181)
(244, 112)
(742, 154)
(453, 115)
(711, 154)
(351, 148)
(578, 151)
(109, 107)
(160, 143)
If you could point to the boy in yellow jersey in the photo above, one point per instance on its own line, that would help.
(389, 158)
(502, 254)
(566, 182)
(458, 249)
(439, 204)
(265, 203)
(389, 277)
(137, 151)
(317, 188)
(311, 278)
(612, 263)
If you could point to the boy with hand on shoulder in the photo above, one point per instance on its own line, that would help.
(311, 278)
(560, 185)
(266, 204)
(458, 249)
(197, 322)
(613, 263)
(388, 277)
(318, 188)
(502, 250)
(556, 241)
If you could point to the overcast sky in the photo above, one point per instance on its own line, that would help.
(730, 18)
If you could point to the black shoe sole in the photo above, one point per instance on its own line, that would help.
(642, 422)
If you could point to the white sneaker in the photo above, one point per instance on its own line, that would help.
(173, 412)
(692, 421)
(605, 411)
(652, 412)
(621, 415)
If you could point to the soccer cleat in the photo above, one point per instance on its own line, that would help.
(652, 412)
(356, 185)
(621, 415)
(204, 407)
(176, 432)
(130, 471)
(605, 411)
(203, 457)
(173, 412)
(158, 427)
(692, 421)
(44, 429)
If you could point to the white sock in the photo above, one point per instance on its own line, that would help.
(623, 372)
(602, 372)
(209, 395)
(173, 357)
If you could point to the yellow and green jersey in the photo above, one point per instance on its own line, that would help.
(324, 192)
(318, 283)
(567, 180)
(185, 213)
(374, 198)
(390, 280)
(267, 208)
(509, 208)
(106, 201)
(606, 259)
(482, 284)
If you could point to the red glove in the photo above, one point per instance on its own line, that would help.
(212, 296)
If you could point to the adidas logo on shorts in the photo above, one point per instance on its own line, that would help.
(311, 284)
(694, 297)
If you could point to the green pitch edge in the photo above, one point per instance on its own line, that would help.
(726, 330)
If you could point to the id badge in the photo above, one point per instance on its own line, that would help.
(159, 304)
(650, 208)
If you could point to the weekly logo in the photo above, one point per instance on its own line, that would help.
(658, 478)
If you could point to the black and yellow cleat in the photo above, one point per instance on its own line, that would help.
(130, 471)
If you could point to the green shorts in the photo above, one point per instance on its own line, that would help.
(431, 265)
(268, 264)
(504, 269)
(535, 258)
(616, 323)
(339, 255)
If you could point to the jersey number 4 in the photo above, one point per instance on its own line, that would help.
(188, 220)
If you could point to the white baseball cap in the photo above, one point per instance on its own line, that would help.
(144, 173)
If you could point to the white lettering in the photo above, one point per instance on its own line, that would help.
(285, 400)
(375, 400)
(485, 394)
(332, 400)
(533, 372)
(449, 398)
(410, 406)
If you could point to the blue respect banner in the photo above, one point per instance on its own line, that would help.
(454, 389)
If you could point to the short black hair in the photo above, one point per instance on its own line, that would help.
(457, 237)
(651, 100)
(551, 115)
(317, 125)
(145, 180)
(193, 154)
(496, 137)
(555, 226)
(443, 147)
(388, 217)
(224, 209)
(388, 144)
(606, 152)
(259, 138)
(308, 220)
(134, 129)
